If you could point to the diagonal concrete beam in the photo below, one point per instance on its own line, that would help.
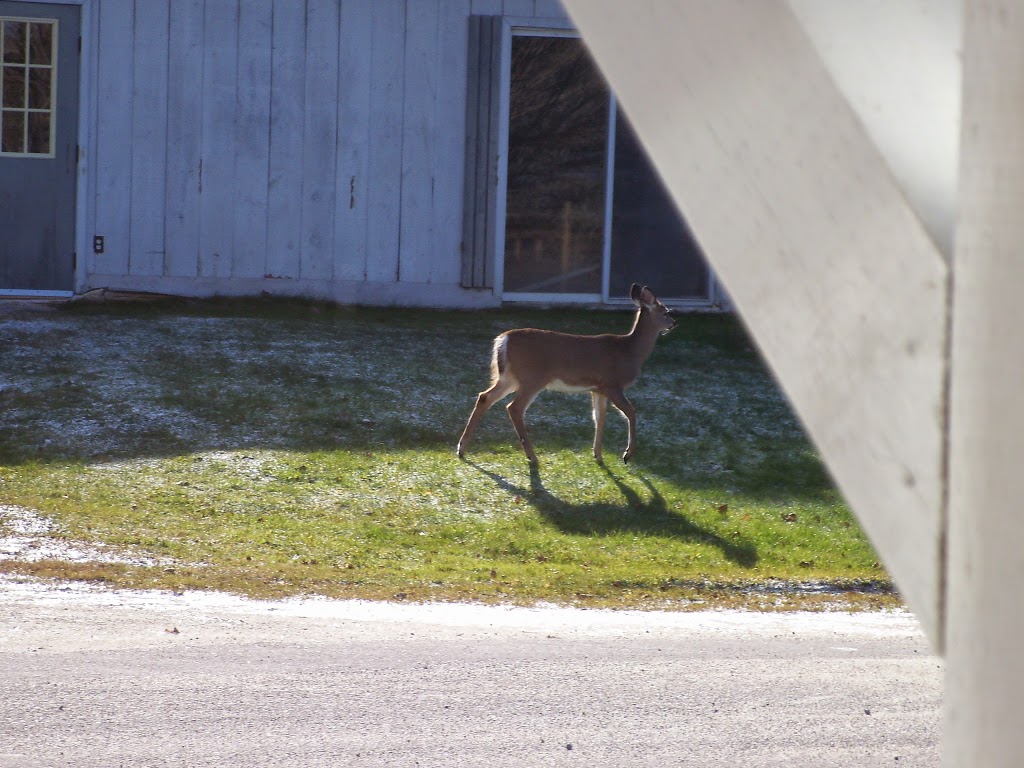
(798, 213)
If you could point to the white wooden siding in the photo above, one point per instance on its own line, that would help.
(320, 141)
(184, 139)
(301, 147)
(450, 150)
(384, 183)
(149, 129)
(354, 85)
(252, 138)
(287, 131)
(217, 164)
(113, 135)
(419, 137)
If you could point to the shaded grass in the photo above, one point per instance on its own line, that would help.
(278, 448)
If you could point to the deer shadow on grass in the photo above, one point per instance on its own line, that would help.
(636, 515)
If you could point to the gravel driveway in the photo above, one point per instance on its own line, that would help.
(90, 677)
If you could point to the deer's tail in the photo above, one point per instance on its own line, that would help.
(499, 360)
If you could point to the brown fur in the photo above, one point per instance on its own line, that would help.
(527, 361)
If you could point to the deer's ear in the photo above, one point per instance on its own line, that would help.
(634, 294)
(647, 297)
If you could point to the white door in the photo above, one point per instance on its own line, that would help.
(38, 146)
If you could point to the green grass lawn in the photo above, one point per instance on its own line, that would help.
(275, 449)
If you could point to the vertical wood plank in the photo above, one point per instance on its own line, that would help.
(320, 140)
(85, 220)
(419, 139)
(479, 230)
(384, 187)
(252, 139)
(149, 140)
(550, 9)
(520, 8)
(351, 210)
(494, 199)
(450, 149)
(216, 234)
(486, 7)
(113, 162)
(287, 117)
(475, 105)
(184, 138)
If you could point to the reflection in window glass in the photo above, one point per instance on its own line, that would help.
(13, 132)
(40, 43)
(38, 133)
(14, 87)
(558, 156)
(651, 243)
(15, 33)
(27, 81)
(39, 87)
(558, 133)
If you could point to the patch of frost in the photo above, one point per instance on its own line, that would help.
(29, 539)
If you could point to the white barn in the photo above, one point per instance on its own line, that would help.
(348, 150)
(455, 153)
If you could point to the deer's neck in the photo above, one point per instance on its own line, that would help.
(643, 336)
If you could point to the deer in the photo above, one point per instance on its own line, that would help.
(527, 361)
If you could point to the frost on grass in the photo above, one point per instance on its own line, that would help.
(106, 388)
(27, 536)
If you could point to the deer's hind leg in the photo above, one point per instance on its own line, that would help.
(600, 410)
(499, 389)
(516, 411)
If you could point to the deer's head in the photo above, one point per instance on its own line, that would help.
(658, 313)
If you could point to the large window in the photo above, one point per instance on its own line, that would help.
(27, 84)
(585, 213)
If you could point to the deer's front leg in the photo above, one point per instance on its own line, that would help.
(600, 409)
(619, 400)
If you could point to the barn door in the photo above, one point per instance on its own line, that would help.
(38, 146)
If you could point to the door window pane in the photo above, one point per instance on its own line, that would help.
(40, 43)
(558, 133)
(39, 87)
(14, 87)
(651, 243)
(27, 81)
(14, 41)
(38, 133)
(12, 130)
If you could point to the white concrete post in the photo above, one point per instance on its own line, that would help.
(985, 616)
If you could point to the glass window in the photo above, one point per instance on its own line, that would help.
(27, 82)
(557, 147)
(586, 214)
(651, 243)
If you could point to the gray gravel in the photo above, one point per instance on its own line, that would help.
(90, 677)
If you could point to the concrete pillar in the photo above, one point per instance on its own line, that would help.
(985, 615)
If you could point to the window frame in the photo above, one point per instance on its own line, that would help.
(25, 110)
